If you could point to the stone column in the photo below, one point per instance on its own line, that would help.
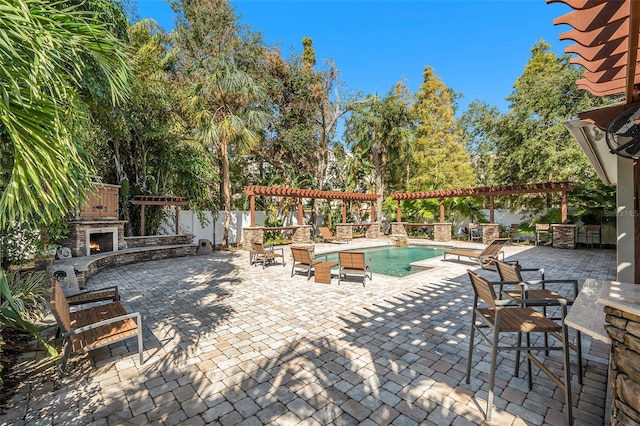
(442, 232)
(344, 231)
(397, 228)
(302, 235)
(490, 231)
(563, 236)
(373, 230)
(624, 372)
(255, 233)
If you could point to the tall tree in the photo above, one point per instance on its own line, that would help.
(381, 128)
(439, 158)
(532, 143)
(225, 102)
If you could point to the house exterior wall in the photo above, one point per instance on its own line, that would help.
(625, 217)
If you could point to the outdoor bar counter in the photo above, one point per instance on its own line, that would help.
(609, 311)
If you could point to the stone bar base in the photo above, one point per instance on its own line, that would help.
(251, 234)
(563, 236)
(397, 228)
(373, 231)
(442, 232)
(344, 231)
(490, 231)
(624, 375)
(302, 235)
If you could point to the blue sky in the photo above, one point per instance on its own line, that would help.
(478, 47)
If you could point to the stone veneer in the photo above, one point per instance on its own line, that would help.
(563, 236)
(397, 228)
(158, 240)
(373, 231)
(490, 231)
(302, 235)
(442, 232)
(249, 235)
(77, 239)
(624, 374)
(344, 231)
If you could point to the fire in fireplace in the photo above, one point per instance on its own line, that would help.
(101, 240)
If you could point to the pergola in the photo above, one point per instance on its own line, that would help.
(491, 192)
(155, 200)
(299, 194)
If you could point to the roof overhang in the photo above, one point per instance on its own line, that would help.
(592, 141)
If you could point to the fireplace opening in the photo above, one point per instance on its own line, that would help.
(101, 240)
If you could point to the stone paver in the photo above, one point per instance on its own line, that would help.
(227, 343)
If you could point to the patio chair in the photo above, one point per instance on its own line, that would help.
(474, 232)
(267, 254)
(484, 257)
(327, 236)
(304, 259)
(513, 232)
(353, 262)
(509, 316)
(537, 289)
(65, 277)
(542, 230)
(593, 234)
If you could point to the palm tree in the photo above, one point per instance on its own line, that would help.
(46, 50)
(229, 114)
(44, 57)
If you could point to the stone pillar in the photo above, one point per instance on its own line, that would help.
(344, 231)
(563, 236)
(490, 231)
(373, 230)
(624, 372)
(442, 232)
(397, 228)
(255, 233)
(302, 235)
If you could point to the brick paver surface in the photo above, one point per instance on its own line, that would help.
(227, 343)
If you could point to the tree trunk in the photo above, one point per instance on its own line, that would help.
(225, 194)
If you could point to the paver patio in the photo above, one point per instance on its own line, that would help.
(231, 344)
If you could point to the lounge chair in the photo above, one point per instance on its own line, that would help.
(303, 259)
(484, 257)
(328, 236)
(267, 254)
(353, 262)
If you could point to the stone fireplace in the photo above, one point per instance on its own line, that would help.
(97, 236)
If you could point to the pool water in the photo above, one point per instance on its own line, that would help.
(394, 261)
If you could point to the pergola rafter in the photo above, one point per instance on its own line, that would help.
(491, 192)
(299, 194)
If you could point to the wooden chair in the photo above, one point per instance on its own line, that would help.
(542, 229)
(537, 289)
(474, 232)
(352, 262)
(485, 257)
(517, 316)
(593, 233)
(328, 236)
(513, 232)
(267, 254)
(303, 259)
(87, 329)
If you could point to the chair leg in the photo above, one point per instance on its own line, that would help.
(471, 337)
(492, 373)
(529, 376)
(567, 373)
(579, 354)
(516, 372)
(65, 358)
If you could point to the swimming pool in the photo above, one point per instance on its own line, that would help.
(394, 261)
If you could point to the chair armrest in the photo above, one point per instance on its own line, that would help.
(98, 290)
(105, 322)
(543, 283)
(531, 302)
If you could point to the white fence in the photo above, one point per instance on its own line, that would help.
(213, 228)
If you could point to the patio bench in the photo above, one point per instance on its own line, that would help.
(87, 329)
